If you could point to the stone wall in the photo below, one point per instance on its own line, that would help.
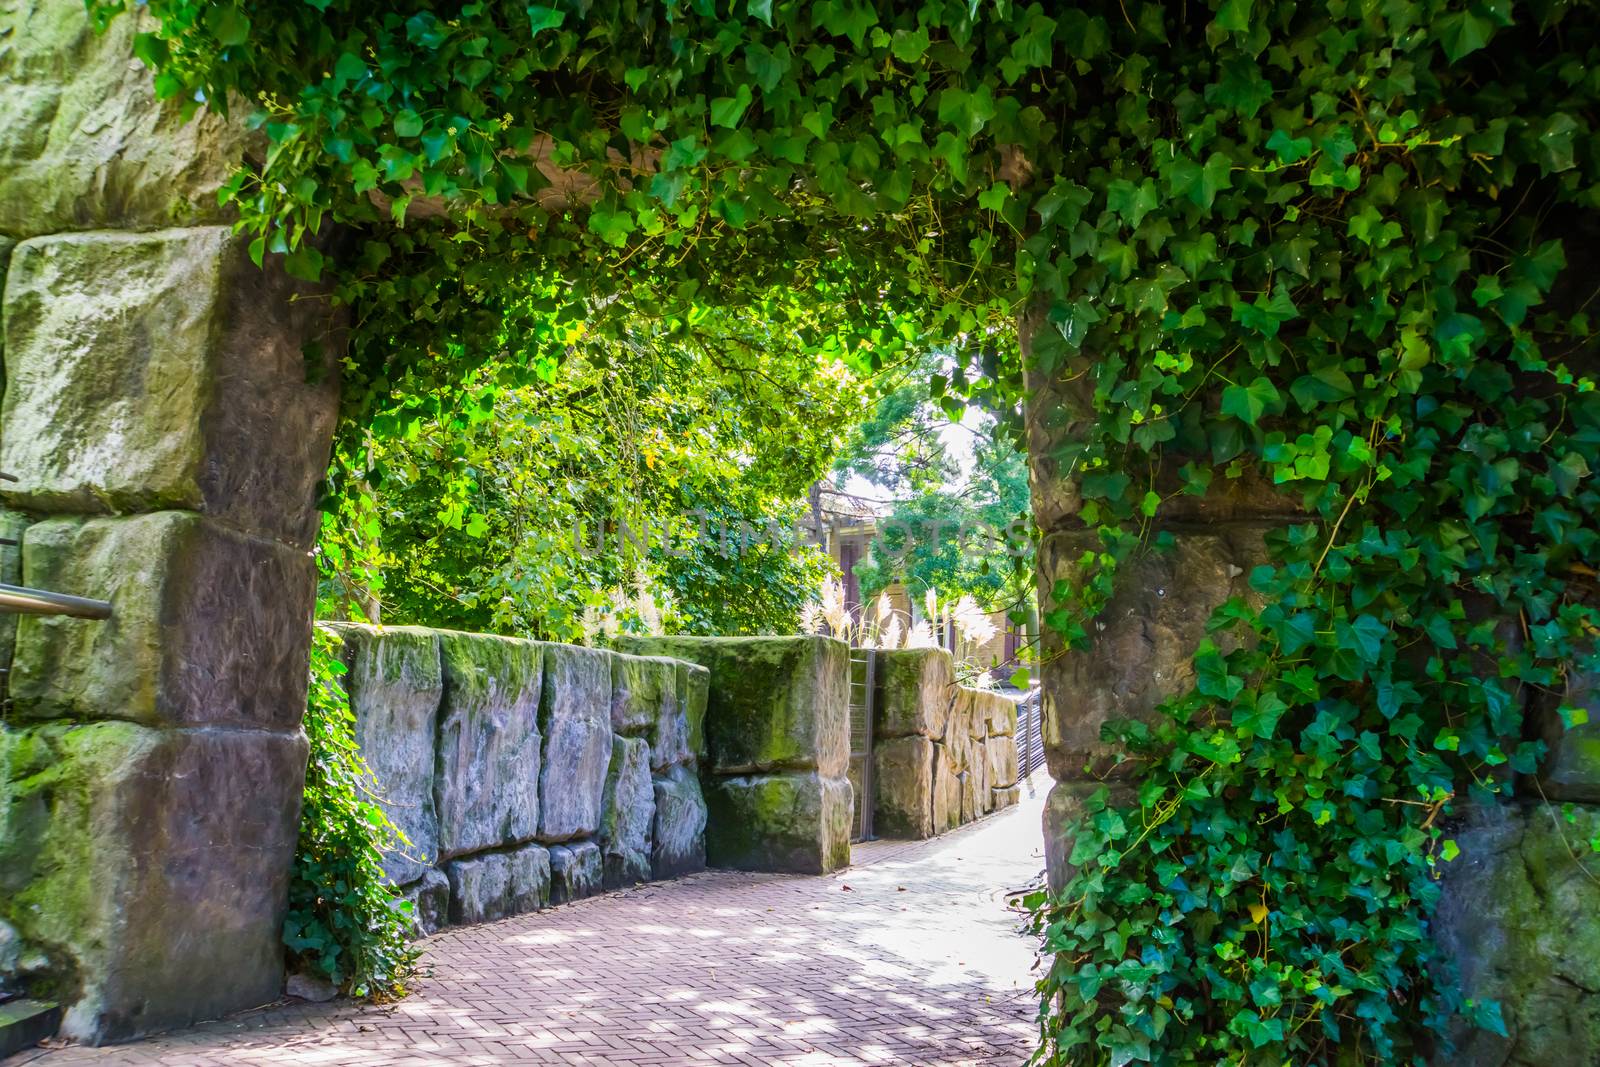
(524, 774)
(943, 754)
(166, 429)
(774, 749)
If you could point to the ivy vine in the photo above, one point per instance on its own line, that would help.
(1330, 254)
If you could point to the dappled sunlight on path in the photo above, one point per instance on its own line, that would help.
(908, 958)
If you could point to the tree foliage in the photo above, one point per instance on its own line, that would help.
(530, 503)
(1333, 251)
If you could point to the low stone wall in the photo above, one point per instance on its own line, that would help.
(525, 774)
(944, 754)
(774, 751)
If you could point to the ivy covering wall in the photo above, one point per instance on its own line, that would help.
(1333, 255)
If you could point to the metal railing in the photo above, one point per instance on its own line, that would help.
(20, 600)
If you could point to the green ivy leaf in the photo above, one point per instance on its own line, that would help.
(1248, 403)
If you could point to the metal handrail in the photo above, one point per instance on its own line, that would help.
(20, 600)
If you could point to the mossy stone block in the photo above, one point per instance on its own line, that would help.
(487, 780)
(798, 822)
(774, 703)
(1517, 917)
(576, 871)
(86, 144)
(147, 371)
(150, 866)
(497, 885)
(678, 835)
(208, 627)
(575, 719)
(395, 685)
(916, 691)
(903, 780)
(627, 814)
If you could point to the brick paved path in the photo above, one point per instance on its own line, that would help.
(908, 958)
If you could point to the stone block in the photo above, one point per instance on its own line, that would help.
(626, 816)
(85, 142)
(998, 713)
(497, 885)
(1000, 760)
(12, 525)
(946, 793)
(575, 718)
(429, 897)
(1003, 797)
(1067, 802)
(1571, 768)
(644, 691)
(576, 871)
(152, 371)
(968, 788)
(903, 776)
(916, 691)
(487, 777)
(150, 866)
(678, 835)
(1517, 917)
(208, 626)
(395, 685)
(779, 822)
(774, 703)
(694, 690)
(1143, 642)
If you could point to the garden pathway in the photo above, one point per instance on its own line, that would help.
(910, 957)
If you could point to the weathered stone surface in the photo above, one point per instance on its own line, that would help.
(694, 690)
(309, 987)
(429, 897)
(575, 718)
(998, 713)
(916, 690)
(671, 742)
(643, 692)
(121, 857)
(1571, 768)
(1001, 798)
(946, 793)
(164, 370)
(1000, 760)
(775, 703)
(678, 835)
(85, 142)
(576, 871)
(494, 885)
(1517, 915)
(395, 685)
(968, 788)
(487, 780)
(779, 822)
(208, 627)
(627, 814)
(903, 779)
(12, 524)
(1143, 643)
(1065, 804)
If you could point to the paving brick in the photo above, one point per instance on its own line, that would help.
(716, 968)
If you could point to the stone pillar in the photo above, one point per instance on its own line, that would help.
(1517, 905)
(1144, 640)
(167, 412)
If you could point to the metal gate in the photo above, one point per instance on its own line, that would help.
(1030, 734)
(863, 667)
